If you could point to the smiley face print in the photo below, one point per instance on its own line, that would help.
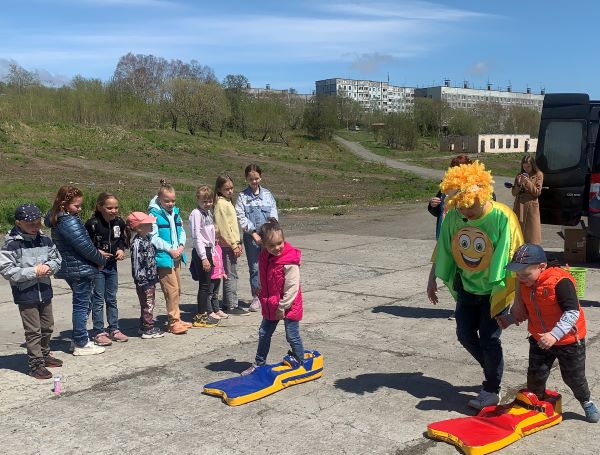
(472, 249)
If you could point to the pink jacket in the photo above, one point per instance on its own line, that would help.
(274, 290)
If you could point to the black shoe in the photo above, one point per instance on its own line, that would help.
(52, 362)
(237, 312)
(41, 372)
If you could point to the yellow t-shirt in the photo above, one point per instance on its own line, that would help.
(226, 222)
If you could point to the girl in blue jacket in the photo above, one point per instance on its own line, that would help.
(81, 261)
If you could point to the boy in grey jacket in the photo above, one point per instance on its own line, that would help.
(28, 259)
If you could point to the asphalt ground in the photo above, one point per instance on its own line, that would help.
(392, 362)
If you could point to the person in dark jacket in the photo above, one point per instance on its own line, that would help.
(27, 261)
(107, 231)
(81, 261)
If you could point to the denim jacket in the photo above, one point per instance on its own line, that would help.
(254, 209)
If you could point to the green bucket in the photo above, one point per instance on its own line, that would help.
(579, 275)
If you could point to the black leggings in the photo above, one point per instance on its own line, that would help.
(204, 282)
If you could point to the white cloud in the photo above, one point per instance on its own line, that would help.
(480, 68)
(368, 63)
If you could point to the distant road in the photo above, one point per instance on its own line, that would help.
(503, 195)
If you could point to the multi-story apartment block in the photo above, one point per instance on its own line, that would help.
(370, 94)
(382, 96)
(465, 97)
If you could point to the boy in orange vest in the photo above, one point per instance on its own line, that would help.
(548, 301)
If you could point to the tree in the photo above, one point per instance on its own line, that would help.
(320, 116)
(522, 120)
(430, 116)
(20, 79)
(349, 111)
(235, 86)
(462, 123)
(269, 118)
(400, 131)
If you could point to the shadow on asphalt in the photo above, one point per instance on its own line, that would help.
(414, 312)
(589, 303)
(231, 365)
(574, 416)
(436, 394)
(15, 362)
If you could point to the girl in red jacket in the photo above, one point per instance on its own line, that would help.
(280, 294)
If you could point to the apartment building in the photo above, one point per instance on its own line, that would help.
(371, 95)
(466, 97)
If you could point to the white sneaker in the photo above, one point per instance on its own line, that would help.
(484, 399)
(89, 349)
(255, 305)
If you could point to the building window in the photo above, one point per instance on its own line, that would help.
(500, 143)
(508, 143)
(492, 143)
(515, 143)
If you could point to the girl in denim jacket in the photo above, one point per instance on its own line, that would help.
(253, 207)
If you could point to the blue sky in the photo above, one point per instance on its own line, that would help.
(294, 43)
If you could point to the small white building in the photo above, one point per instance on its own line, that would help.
(489, 143)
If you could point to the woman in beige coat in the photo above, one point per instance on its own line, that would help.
(526, 190)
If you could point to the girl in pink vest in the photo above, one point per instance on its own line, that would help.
(280, 294)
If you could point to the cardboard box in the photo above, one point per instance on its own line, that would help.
(575, 244)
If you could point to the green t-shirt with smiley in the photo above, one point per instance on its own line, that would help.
(478, 250)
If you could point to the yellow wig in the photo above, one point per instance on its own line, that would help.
(465, 183)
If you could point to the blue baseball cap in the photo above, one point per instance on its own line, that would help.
(27, 212)
(527, 254)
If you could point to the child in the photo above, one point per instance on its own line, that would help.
(168, 237)
(226, 224)
(107, 231)
(144, 271)
(81, 261)
(477, 239)
(280, 295)
(27, 260)
(556, 323)
(203, 240)
(254, 205)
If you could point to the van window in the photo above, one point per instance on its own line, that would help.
(562, 144)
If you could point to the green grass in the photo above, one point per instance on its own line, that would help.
(130, 163)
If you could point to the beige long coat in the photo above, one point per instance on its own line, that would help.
(527, 206)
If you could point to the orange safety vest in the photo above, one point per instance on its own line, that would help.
(543, 309)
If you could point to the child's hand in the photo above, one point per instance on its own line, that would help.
(206, 265)
(175, 254)
(518, 311)
(42, 270)
(434, 201)
(432, 290)
(505, 320)
(546, 340)
(105, 254)
(237, 251)
(280, 314)
(120, 255)
(257, 238)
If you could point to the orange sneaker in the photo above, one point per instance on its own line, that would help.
(186, 324)
(178, 328)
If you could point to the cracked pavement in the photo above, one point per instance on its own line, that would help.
(391, 362)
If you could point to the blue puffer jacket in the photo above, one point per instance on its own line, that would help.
(80, 258)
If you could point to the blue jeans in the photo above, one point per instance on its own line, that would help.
(105, 290)
(252, 252)
(479, 334)
(82, 290)
(292, 335)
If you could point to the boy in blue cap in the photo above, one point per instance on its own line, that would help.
(28, 259)
(556, 324)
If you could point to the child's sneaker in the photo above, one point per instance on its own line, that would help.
(237, 311)
(592, 414)
(52, 362)
(206, 321)
(255, 305)
(178, 328)
(154, 332)
(484, 399)
(197, 321)
(89, 349)
(222, 314)
(102, 339)
(40, 372)
(249, 370)
(117, 335)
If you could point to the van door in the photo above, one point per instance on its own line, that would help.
(562, 157)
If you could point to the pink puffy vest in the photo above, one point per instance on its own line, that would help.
(272, 280)
(217, 256)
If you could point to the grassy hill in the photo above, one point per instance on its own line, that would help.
(36, 159)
